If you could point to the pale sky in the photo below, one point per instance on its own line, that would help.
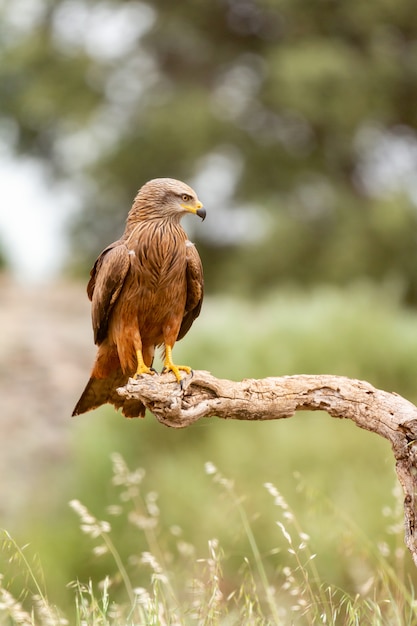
(33, 215)
(33, 211)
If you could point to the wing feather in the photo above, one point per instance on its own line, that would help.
(107, 279)
(195, 289)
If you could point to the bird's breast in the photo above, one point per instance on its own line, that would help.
(158, 256)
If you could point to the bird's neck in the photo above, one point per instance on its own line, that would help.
(153, 224)
(146, 212)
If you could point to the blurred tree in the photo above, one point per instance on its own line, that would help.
(2, 258)
(305, 111)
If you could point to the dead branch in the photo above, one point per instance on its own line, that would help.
(203, 395)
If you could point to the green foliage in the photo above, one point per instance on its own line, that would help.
(302, 94)
(360, 331)
(337, 478)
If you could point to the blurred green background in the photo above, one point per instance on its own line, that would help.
(296, 122)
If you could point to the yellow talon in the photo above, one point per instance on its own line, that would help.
(142, 368)
(175, 369)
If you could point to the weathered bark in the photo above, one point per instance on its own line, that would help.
(203, 395)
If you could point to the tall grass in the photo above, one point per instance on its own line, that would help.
(170, 583)
(182, 546)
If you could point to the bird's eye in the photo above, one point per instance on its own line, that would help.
(186, 197)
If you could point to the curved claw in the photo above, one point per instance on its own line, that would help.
(182, 381)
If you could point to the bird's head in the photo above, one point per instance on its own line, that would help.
(165, 198)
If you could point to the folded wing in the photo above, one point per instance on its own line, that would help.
(195, 289)
(107, 279)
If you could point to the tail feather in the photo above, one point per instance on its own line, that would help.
(100, 391)
(107, 375)
(94, 395)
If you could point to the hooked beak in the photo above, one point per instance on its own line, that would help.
(198, 209)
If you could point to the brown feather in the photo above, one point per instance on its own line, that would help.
(195, 289)
(146, 290)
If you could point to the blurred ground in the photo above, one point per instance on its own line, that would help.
(46, 352)
(329, 471)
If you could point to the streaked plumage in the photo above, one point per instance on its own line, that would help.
(146, 290)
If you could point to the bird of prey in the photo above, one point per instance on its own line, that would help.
(146, 289)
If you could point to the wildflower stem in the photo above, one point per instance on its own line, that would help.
(120, 566)
(258, 559)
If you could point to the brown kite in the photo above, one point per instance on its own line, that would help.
(146, 290)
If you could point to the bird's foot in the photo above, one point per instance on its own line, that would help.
(142, 368)
(176, 370)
